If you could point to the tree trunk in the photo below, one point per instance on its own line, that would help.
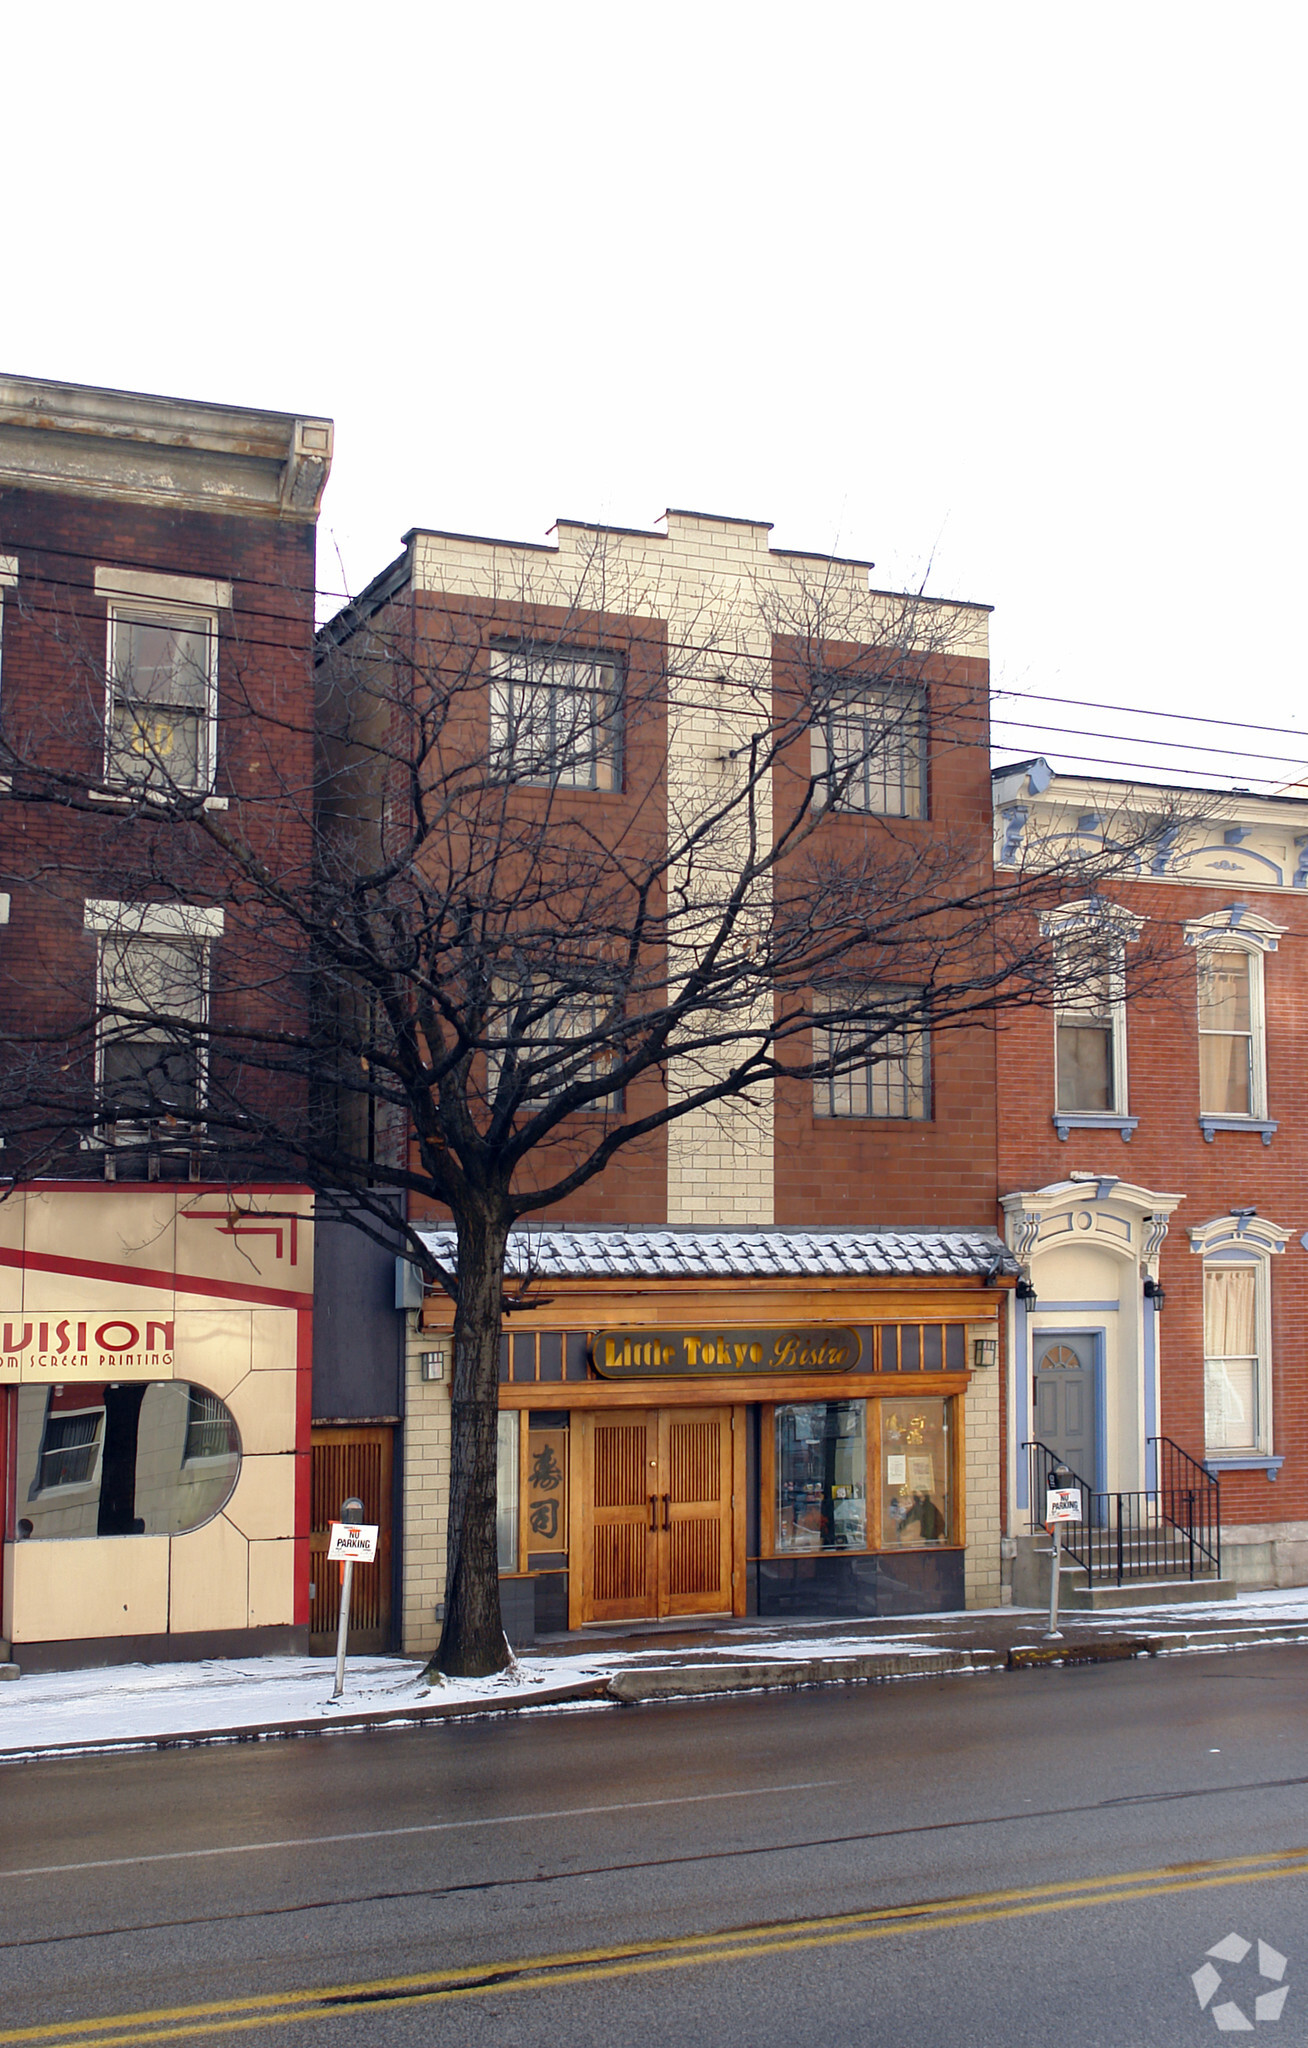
(472, 1640)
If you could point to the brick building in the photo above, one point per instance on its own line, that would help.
(156, 630)
(1150, 1162)
(847, 1224)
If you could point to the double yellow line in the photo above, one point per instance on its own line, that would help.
(629, 1959)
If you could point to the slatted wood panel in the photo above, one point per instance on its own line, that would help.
(656, 1514)
(345, 1462)
(622, 1470)
(697, 1567)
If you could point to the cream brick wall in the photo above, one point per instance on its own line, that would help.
(426, 1494)
(981, 1478)
(723, 593)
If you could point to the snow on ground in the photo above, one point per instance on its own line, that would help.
(144, 1701)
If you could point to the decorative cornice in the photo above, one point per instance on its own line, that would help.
(1238, 923)
(1242, 1231)
(139, 449)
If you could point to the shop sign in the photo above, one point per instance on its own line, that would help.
(673, 1354)
(125, 1344)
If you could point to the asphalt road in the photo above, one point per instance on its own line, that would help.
(1036, 1857)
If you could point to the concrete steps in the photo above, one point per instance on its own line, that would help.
(1076, 1594)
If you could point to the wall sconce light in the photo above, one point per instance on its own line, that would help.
(433, 1365)
(1026, 1293)
(985, 1351)
(1153, 1291)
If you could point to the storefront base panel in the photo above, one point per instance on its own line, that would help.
(93, 1653)
(911, 1582)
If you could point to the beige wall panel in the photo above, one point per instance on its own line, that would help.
(272, 1245)
(118, 1229)
(263, 1504)
(272, 1585)
(67, 1294)
(1077, 1272)
(213, 1347)
(264, 1407)
(272, 1339)
(208, 1578)
(107, 1586)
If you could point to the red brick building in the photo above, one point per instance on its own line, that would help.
(1151, 1159)
(862, 1207)
(156, 623)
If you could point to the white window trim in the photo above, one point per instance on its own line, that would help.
(193, 593)
(1237, 929)
(8, 581)
(151, 920)
(1234, 1243)
(1093, 913)
(130, 608)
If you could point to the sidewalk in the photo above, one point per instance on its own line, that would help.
(250, 1699)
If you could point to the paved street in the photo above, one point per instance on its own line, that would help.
(1068, 1843)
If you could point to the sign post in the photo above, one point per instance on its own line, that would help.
(351, 1539)
(1062, 1504)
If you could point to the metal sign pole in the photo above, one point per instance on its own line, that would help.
(1053, 1634)
(343, 1626)
(351, 1511)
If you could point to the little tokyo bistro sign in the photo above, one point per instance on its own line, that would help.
(670, 1354)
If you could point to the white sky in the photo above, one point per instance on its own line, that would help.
(1008, 291)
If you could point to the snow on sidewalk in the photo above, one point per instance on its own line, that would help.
(141, 1702)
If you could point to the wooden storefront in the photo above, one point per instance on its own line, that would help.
(737, 1446)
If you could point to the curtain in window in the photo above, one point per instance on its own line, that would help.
(1230, 1361)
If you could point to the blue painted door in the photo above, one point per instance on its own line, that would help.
(1065, 1407)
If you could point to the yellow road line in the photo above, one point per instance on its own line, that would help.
(287, 2008)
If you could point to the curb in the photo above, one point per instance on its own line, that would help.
(590, 1689)
(693, 1681)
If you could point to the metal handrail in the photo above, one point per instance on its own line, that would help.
(1170, 1530)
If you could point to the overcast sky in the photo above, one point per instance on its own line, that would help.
(1005, 295)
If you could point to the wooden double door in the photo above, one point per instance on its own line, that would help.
(657, 1513)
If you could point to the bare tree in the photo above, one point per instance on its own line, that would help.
(452, 983)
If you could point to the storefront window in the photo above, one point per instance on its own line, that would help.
(821, 1475)
(506, 1490)
(915, 1478)
(122, 1458)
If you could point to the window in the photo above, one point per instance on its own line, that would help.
(70, 1445)
(1231, 1365)
(861, 1475)
(540, 1039)
(210, 1429)
(151, 1067)
(1090, 940)
(554, 718)
(506, 1488)
(1237, 1252)
(870, 750)
(162, 673)
(1230, 1037)
(122, 1458)
(875, 1064)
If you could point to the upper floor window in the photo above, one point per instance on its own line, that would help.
(1090, 940)
(1232, 1076)
(1229, 947)
(869, 751)
(153, 1000)
(161, 698)
(560, 1039)
(874, 1064)
(554, 718)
